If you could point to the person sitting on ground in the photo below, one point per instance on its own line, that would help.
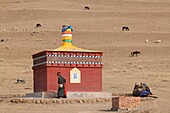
(145, 90)
(136, 90)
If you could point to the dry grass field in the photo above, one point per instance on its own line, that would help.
(97, 29)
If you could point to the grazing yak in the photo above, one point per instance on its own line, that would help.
(87, 8)
(135, 53)
(38, 25)
(125, 28)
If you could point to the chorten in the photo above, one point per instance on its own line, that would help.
(81, 68)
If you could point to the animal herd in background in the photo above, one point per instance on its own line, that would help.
(123, 28)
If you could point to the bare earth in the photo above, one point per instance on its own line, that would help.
(98, 29)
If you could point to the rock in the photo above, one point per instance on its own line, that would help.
(34, 101)
(46, 101)
(62, 101)
(14, 29)
(84, 100)
(72, 101)
(29, 101)
(24, 101)
(88, 100)
(16, 101)
(21, 100)
(38, 101)
(50, 101)
(58, 101)
(66, 101)
(42, 101)
(7, 39)
(93, 100)
(79, 101)
(54, 101)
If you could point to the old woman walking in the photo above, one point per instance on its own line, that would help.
(61, 86)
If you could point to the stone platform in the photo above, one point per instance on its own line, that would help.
(71, 95)
(121, 102)
(41, 95)
(57, 101)
(89, 95)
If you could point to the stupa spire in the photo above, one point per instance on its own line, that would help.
(67, 31)
(67, 34)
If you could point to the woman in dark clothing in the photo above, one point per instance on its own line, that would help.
(136, 90)
(61, 89)
(146, 90)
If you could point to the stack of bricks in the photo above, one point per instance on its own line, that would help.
(125, 102)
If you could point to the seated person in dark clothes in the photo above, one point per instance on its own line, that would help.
(145, 90)
(136, 90)
(61, 89)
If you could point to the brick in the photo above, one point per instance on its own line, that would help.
(125, 102)
(38, 101)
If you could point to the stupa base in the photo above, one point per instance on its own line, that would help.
(71, 95)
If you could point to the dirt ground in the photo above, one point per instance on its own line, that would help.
(96, 29)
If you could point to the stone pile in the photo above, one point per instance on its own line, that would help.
(58, 101)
